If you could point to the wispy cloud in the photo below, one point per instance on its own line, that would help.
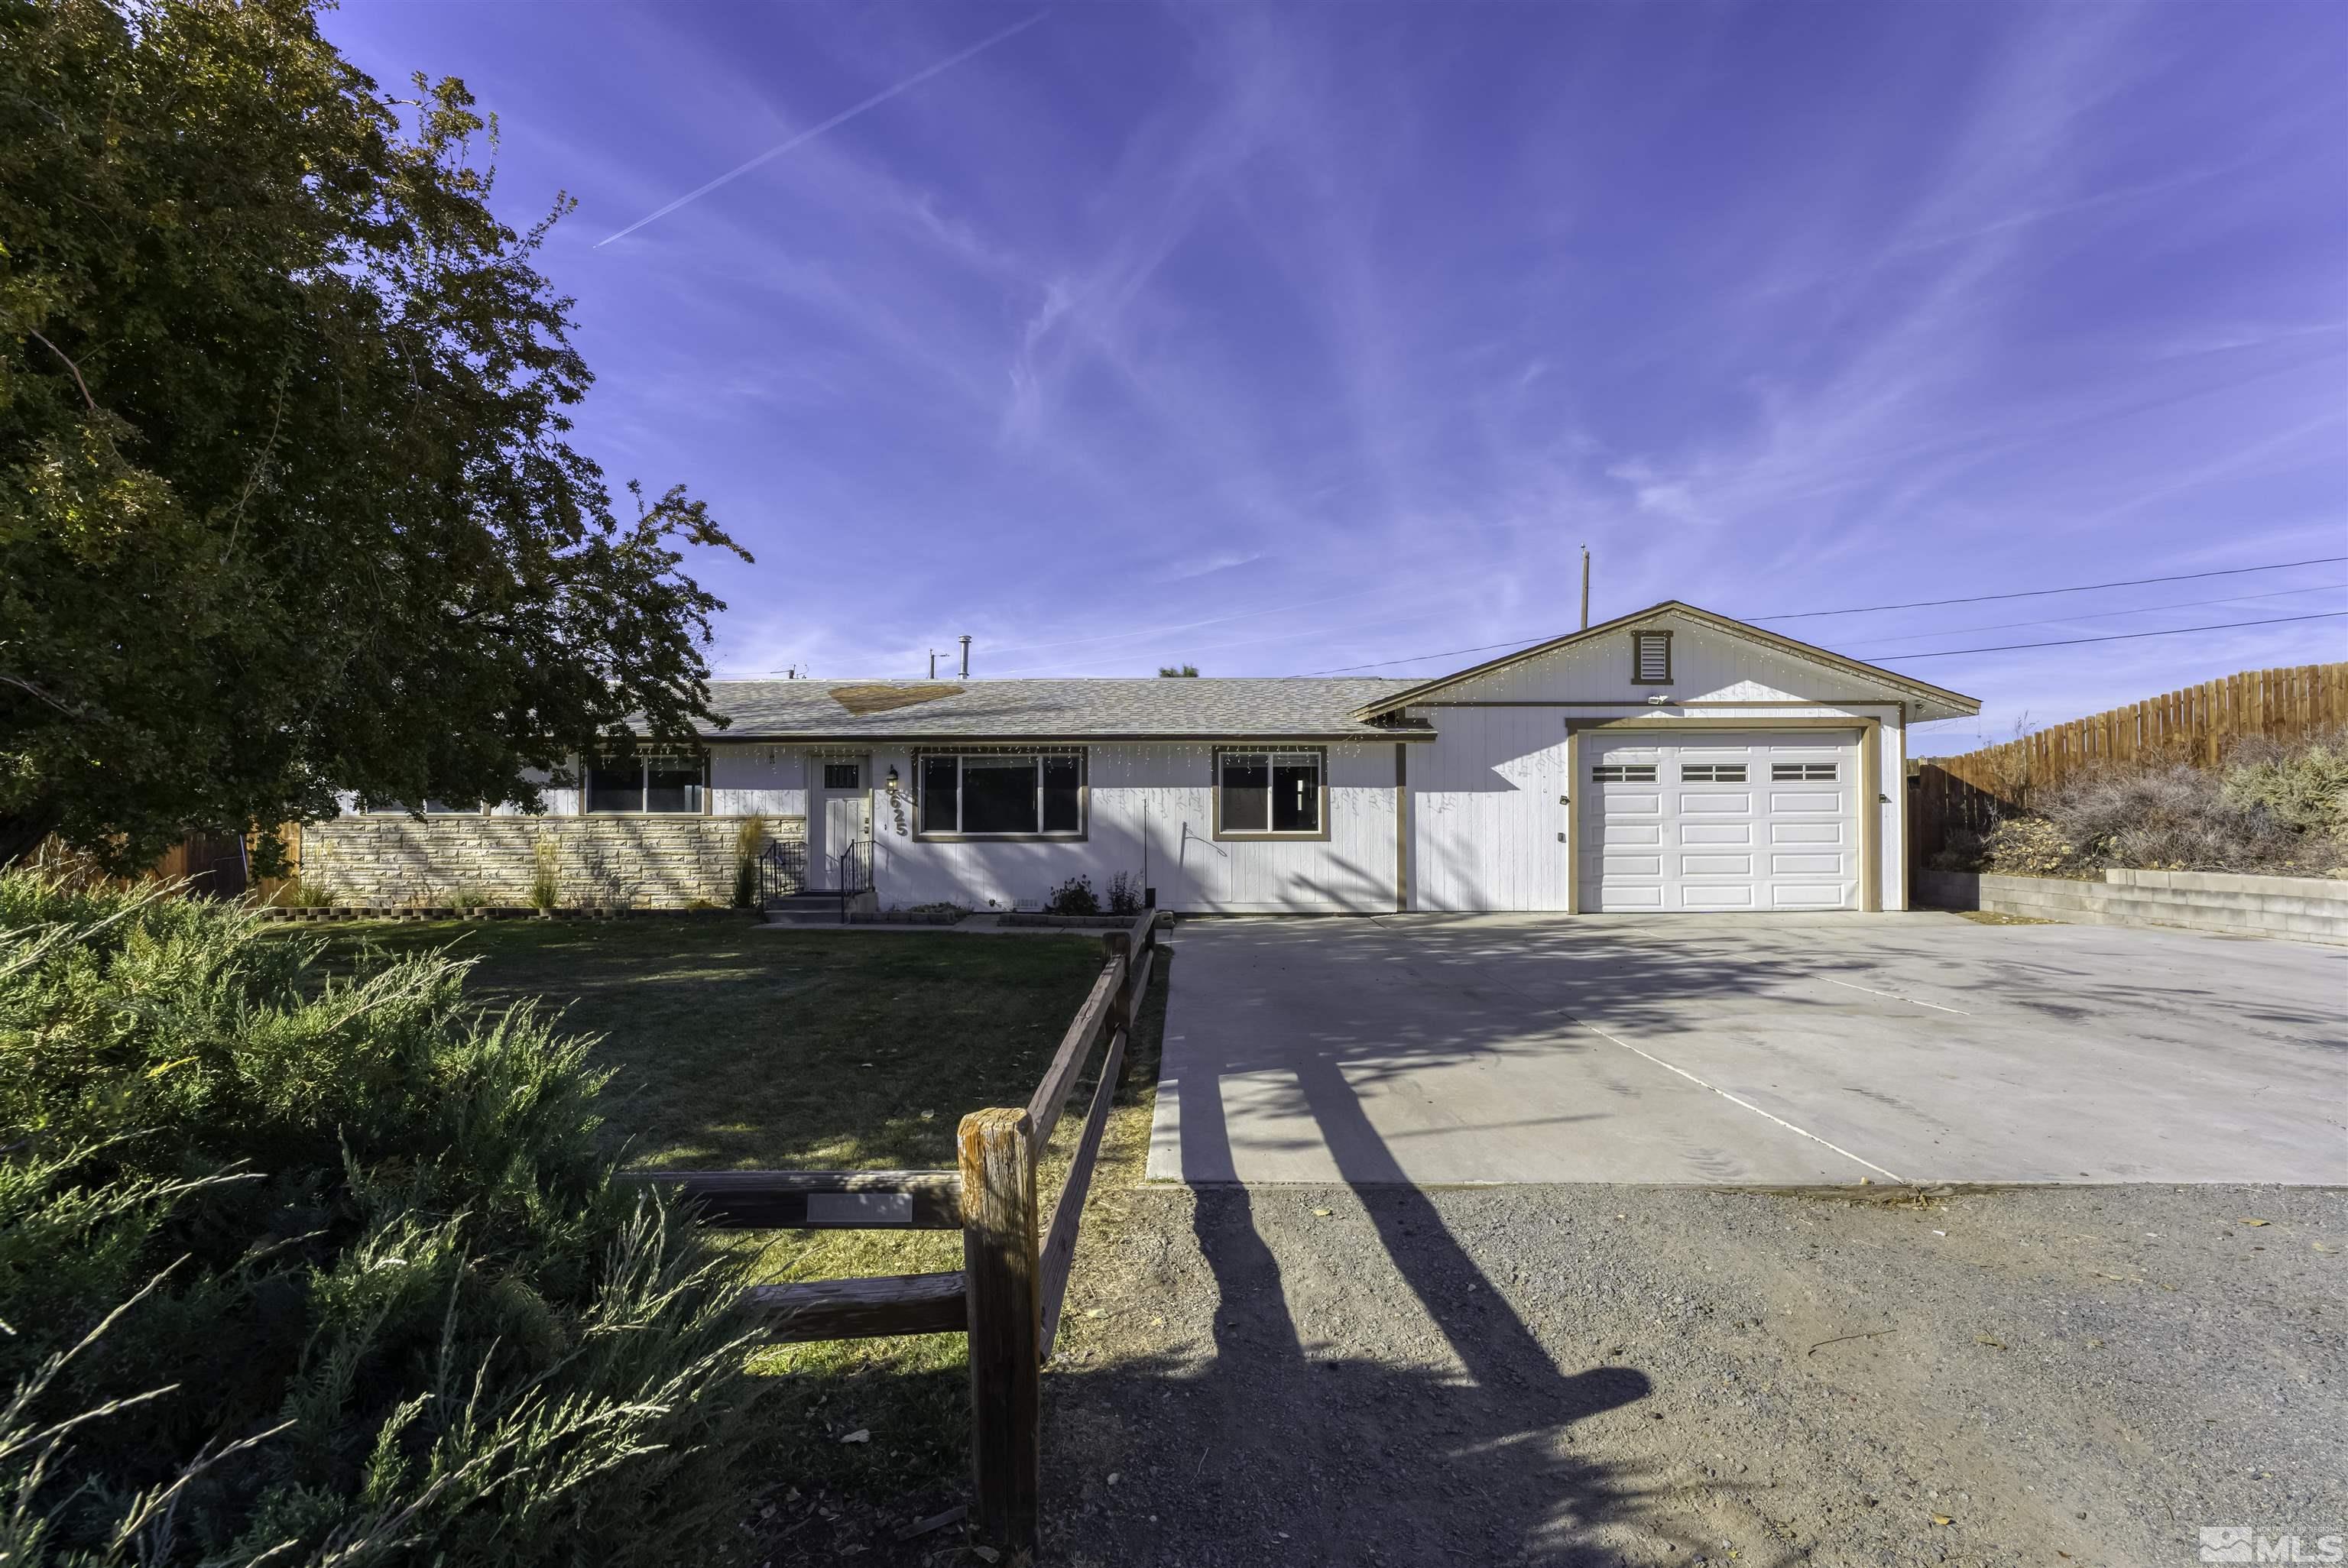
(821, 127)
(1294, 338)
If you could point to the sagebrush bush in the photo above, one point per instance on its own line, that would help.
(312, 1268)
(2276, 808)
(2169, 816)
(2304, 786)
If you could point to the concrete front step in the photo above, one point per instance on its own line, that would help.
(816, 903)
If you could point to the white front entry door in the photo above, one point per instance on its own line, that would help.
(1763, 819)
(841, 805)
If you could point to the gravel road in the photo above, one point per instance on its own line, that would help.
(1635, 1374)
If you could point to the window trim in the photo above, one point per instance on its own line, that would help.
(1712, 771)
(1803, 775)
(1649, 772)
(1220, 834)
(644, 761)
(1636, 678)
(399, 808)
(922, 754)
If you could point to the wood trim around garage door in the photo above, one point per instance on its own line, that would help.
(1573, 819)
(1907, 823)
(1870, 786)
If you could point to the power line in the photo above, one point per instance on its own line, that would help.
(2040, 592)
(2137, 609)
(1864, 610)
(1447, 653)
(2115, 637)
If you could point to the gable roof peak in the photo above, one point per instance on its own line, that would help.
(1957, 702)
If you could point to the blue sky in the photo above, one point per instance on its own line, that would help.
(1286, 339)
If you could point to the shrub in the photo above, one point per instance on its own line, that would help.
(304, 893)
(546, 875)
(472, 896)
(2304, 786)
(747, 842)
(2164, 817)
(328, 1268)
(1074, 896)
(1125, 893)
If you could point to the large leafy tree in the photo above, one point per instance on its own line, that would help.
(288, 498)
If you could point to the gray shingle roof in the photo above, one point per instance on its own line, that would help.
(1161, 707)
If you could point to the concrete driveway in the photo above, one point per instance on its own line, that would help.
(1794, 1050)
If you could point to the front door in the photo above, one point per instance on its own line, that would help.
(841, 817)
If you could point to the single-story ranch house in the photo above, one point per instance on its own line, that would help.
(1670, 760)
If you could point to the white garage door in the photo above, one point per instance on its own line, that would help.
(1727, 820)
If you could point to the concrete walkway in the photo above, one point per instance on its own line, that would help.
(1792, 1049)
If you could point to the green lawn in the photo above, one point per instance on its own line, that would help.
(739, 1047)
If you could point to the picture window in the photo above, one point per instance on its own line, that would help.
(1001, 795)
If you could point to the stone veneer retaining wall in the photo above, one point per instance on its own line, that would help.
(2302, 909)
(606, 862)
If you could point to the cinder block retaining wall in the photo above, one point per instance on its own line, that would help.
(604, 862)
(2304, 908)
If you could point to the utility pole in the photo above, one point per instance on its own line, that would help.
(965, 655)
(1585, 588)
(933, 664)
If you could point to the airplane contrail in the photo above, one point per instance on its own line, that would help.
(882, 96)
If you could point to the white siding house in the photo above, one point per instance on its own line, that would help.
(1671, 760)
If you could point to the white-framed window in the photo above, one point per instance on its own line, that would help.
(1712, 773)
(843, 776)
(1650, 657)
(1804, 773)
(1271, 795)
(1624, 773)
(1000, 794)
(653, 786)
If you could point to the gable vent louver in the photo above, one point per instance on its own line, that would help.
(1650, 657)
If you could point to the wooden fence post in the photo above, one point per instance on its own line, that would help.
(1116, 945)
(1001, 1269)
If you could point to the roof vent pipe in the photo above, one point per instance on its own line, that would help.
(965, 655)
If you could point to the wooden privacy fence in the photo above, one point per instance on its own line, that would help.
(1008, 1293)
(2197, 726)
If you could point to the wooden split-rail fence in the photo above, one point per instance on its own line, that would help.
(1013, 1280)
